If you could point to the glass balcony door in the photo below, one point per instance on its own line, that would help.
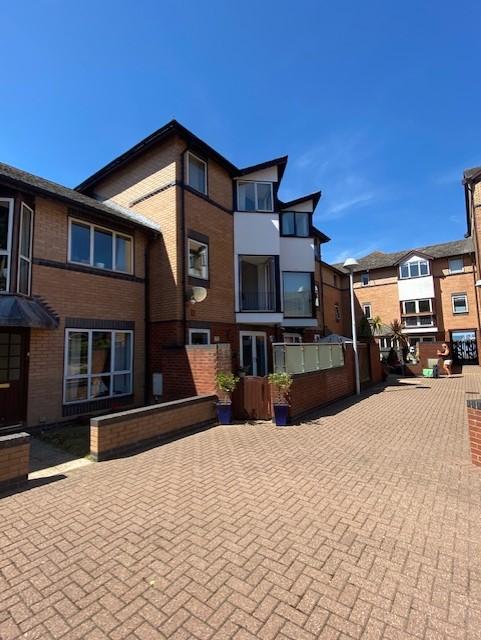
(257, 283)
(254, 353)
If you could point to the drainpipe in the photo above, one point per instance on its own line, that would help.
(476, 266)
(183, 243)
(147, 341)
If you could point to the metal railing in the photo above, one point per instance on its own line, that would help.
(258, 301)
(306, 357)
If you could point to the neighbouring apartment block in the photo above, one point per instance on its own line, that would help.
(430, 291)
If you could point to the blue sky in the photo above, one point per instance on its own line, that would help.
(375, 102)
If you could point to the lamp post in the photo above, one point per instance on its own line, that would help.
(350, 264)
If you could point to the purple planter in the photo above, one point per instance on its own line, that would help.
(224, 413)
(281, 414)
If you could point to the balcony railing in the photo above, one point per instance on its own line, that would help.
(258, 301)
(305, 357)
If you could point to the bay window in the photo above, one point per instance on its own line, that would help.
(254, 196)
(25, 250)
(6, 214)
(99, 247)
(297, 294)
(98, 364)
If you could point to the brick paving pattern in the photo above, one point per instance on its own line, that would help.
(364, 523)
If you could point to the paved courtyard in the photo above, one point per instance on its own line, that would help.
(365, 523)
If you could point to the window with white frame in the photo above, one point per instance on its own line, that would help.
(317, 299)
(196, 173)
(460, 303)
(199, 336)
(25, 250)
(414, 269)
(254, 196)
(364, 279)
(198, 259)
(418, 321)
(98, 364)
(98, 247)
(417, 306)
(292, 338)
(456, 265)
(6, 215)
(367, 310)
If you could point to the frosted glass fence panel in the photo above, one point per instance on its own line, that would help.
(305, 357)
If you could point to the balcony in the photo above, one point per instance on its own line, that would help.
(257, 285)
(258, 301)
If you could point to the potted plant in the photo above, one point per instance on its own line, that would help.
(282, 383)
(226, 383)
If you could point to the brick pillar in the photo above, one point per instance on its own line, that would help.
(474, 427)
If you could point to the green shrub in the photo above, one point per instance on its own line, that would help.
(226, 382)
(283, 382)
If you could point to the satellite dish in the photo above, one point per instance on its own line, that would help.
(196, 294)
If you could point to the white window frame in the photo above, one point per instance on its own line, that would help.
(460, 259)
(189, 154)
(206, 246)
(253, 334)
(88, 376)
(408, 265)
(416, 306)
(115, 234)
(8, 251)
(365, 274)
(367, 304)
(459, 295)
(255, 182)
(203, 331)
(296, 338)
(418, 322)
(21, 257)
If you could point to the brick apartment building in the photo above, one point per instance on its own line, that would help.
(98, 283)
(430, 290)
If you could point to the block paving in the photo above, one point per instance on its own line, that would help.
(362, 523)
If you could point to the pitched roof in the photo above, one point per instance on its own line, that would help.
(34, 184)
(315, 197)
(469, 174)
(279, 162)
(378, 259)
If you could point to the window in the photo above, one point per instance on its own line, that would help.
(25, 250)
(364, 279)
(456, 265)
(198, 259)
(337, 312)
(414, 269)
(367, 310)
(317, 300)
(297, 294)
(6, 212)
(292, 338)
(257, 283)
(417, 306)
(418, 321)
(254, 196)
(98, 247)
(199, 336)
(460, 303)
(196, 173)
(98, 364)
(295, 223)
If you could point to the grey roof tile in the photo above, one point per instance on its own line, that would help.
(379, 260)
(22, 179)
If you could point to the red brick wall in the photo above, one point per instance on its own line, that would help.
(474, 427)
(118, 432)
(377, 372)
(312, 390)
(191, 370)
(14, 460)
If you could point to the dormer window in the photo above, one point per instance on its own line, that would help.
(196, 173)
(254, 196)
(414, 269)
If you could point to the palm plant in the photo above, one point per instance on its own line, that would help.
(376, 325)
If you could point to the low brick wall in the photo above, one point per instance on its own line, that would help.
(14, 460)
(117, 433)
(474, 428)
(377, 371)
(311, 391)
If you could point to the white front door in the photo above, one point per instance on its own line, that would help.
(253, 352)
